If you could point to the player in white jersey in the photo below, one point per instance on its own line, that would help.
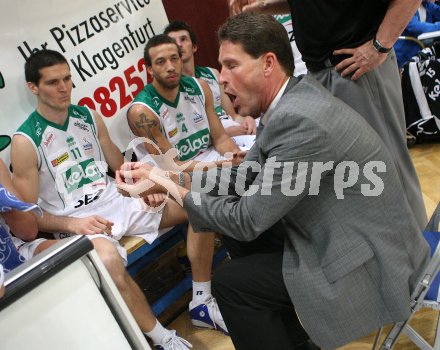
(235, 125)
(177, 113)
(59, 157)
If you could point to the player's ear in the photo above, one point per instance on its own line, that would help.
(32, 87)
(150, 71)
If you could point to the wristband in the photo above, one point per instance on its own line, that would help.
(379, 47)
(181, 176)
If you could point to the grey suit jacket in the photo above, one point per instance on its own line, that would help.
(352, 256)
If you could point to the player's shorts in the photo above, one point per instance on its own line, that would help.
(26, 249)
(244, 142)
(128, 217)
(210, 155)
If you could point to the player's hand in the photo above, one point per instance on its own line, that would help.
(139, 185)
(362, 59)
(142, 179)
(155, 200)
(239, 6)
(249, 124)
(234, 158)
(91, 225)
(238, 157)
(236, 130)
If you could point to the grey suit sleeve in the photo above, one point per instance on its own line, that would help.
(275, 190)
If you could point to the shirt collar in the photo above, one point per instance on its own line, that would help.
(274, 103)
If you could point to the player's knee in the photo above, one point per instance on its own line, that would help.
(109, 256)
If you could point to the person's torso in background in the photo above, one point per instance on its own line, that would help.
(321, 26)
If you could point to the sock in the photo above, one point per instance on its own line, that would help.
(201, 290)
(158, 333)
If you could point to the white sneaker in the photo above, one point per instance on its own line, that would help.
(173, 342)
(207, 315)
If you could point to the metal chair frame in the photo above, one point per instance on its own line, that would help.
(418, 301)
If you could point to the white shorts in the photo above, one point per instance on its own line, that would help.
(244, 142)
(210, 155)
(128, 217)
(26, 249)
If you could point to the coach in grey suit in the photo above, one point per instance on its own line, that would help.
(323, 230)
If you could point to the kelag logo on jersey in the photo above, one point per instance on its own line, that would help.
(81, 174)
(193, 145)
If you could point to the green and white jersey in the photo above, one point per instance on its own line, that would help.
(208, 75)
(183, 122)
(72, 167)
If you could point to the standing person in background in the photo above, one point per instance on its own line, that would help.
(347, 47)
(233, 123)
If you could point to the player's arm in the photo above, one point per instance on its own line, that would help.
(25, 179)
(221, 141)
(112, 154)
(144, 123)
(22, 224)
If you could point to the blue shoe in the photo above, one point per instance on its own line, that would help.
(173, 342)
(207, 315)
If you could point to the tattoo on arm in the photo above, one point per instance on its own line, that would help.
(147, 124)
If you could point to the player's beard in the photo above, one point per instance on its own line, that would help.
(167, 84)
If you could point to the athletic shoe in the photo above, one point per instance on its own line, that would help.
(174, 342)
(207, 315)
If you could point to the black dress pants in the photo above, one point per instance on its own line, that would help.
(253, 298)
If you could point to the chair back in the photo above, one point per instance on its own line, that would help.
(432, 236)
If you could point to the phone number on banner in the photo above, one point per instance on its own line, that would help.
(103, 101)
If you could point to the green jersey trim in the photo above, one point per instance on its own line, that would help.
(204, 72)
(208, 75)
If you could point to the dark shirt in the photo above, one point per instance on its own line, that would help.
(321, 26)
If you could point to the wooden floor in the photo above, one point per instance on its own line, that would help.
(426, 159)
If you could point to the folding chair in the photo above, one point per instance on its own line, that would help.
(426, 293)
